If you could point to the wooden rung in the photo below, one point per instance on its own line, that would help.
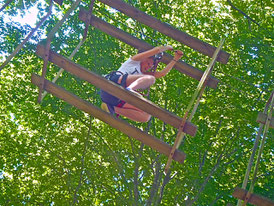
(60, 2)
(254, 199)
(262, 119)
(166, 29)
(117, 91)
(140, 44)
(114, 122)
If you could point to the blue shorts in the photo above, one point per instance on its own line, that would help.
(109, 99)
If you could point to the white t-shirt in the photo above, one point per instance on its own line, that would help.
(131, 67)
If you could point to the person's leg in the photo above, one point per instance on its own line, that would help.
(132, 113)
(135, 82)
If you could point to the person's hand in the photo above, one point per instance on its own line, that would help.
(164, 48)
(168, 47)
(177, 55)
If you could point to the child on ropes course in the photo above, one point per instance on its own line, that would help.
(134, 74)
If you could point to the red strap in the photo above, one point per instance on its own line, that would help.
(120, 105)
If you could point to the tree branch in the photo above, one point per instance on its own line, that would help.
(206, 180)
(166, 180)
(136, 171)
(5, 5)
(118, 162)
(82, 164)
(137, 166)
(157, 176)
(216, 166)
(19, 47)
(240, 11)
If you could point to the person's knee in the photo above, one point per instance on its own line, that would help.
(145, 118)
(151, 79)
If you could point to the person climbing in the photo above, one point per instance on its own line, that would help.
(135, 74)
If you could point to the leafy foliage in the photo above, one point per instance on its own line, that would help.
(55, 154)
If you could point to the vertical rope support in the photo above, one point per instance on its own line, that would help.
(206, 74)
(199, 91)
(251, 159)
(197, 103)
(49, 38)
(59, 23)
(251, 188)
(77, 47)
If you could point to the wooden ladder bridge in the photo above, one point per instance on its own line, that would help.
(183, 125)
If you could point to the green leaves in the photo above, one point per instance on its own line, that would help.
(55, 154)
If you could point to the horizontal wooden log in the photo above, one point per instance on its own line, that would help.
(109, 29)
(254, 199)
(167, 29)
(117, 91)
(114, 122)
(262, 119)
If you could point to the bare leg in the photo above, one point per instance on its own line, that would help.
(139, 81)
(135, 82)
(133, 113)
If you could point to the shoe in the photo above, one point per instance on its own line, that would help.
(104, 107)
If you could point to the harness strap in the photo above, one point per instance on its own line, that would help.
(123, 84)
(124, 80)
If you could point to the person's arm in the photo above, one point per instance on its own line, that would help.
(178, 54)
(151, 52)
